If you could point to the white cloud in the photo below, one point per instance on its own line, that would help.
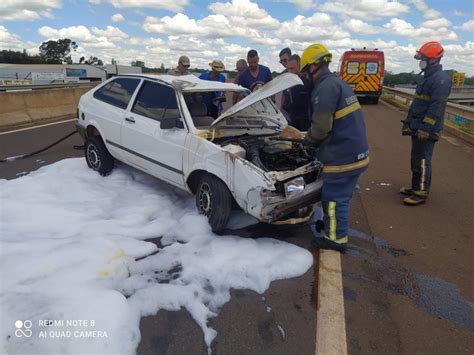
(365, 9)
(117, 18)
(425, 9)
(318, 26)
(112, 33)
(459, 13)
(405, 29)
(244, 13)
(27, 10)
(9, 40)
(303, 5)
(95, 2)
(171, 5)
(467, 26)
(436, 23)
(359, 26)
(180, 24)
(80, 34)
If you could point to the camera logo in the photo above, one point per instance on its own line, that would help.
(23, 328)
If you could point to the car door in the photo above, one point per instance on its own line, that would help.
(108, 109)
(155, 150)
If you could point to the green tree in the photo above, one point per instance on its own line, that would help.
(57, 52)
(93, 61)
(138, 63)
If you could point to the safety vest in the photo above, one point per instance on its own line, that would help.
(345, 151)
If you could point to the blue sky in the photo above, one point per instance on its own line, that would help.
(159, 31)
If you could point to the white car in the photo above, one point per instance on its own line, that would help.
(248, 157)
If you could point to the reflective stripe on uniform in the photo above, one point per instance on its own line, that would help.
(346, 110)
(347, 167)
(423, 97)
(342, 240)
(423, 173)
(332, 220)
(429, 120)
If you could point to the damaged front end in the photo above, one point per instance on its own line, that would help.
(293, 172)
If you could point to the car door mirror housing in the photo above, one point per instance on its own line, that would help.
(168, 123)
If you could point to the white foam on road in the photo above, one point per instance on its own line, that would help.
(69, 243)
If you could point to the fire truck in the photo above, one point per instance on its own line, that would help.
(363, 70)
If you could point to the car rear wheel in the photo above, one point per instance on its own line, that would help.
(97, 156)
(214, 200)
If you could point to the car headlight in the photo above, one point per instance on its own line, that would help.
(294, 186)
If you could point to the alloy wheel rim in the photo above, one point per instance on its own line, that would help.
(205, 200)
(93, 156)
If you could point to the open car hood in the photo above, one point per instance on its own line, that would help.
(280, 83)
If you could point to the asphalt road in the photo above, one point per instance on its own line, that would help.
(407, 277)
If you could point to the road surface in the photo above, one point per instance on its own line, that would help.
(407, 277)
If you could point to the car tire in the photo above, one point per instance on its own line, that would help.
(214, 200)
(97, 156)
(375, 100)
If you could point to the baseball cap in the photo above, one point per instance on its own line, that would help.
(184, 60)
(217, 65)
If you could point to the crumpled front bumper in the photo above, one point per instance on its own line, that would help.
(272, 207)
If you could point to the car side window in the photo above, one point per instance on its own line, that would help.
(118, 92)
(156, 101)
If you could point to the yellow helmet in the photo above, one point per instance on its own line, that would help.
(315, 54)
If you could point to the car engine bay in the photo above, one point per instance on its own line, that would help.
(269, 153)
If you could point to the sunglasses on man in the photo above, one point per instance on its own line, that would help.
(185, 65)
(283, 61)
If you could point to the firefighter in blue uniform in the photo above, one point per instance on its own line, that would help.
(424, 121)
(338, 135)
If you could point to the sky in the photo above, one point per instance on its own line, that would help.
(159, 31)
(73, 256)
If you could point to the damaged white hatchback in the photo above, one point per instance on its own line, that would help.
(248, 157)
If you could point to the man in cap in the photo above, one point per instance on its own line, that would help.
(214, 107)
(182, 68)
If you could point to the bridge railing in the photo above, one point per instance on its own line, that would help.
(459, 114)
(46, 86)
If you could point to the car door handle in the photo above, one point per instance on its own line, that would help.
(129, 119)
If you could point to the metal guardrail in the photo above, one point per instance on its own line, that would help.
(46, 86)
(465, 112)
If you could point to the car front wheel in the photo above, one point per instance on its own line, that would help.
(214, 200)
(97, 156)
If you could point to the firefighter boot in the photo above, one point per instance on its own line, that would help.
(417, 198)
(406, 191)
(340, 244)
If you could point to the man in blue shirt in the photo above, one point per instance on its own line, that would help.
(295, 103)
(213, 108)
(255, 75)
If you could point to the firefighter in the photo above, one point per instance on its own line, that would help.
(425, 118)
(338, 136)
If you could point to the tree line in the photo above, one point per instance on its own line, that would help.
(413, 78)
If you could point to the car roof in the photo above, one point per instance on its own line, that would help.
(189, 83)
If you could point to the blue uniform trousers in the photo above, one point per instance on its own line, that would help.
(336, 198)
(421, 153)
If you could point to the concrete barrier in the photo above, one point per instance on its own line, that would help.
(27, 108)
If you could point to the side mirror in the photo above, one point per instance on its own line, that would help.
(171, 122)
(168, 123)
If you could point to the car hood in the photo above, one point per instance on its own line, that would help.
(280, 83)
